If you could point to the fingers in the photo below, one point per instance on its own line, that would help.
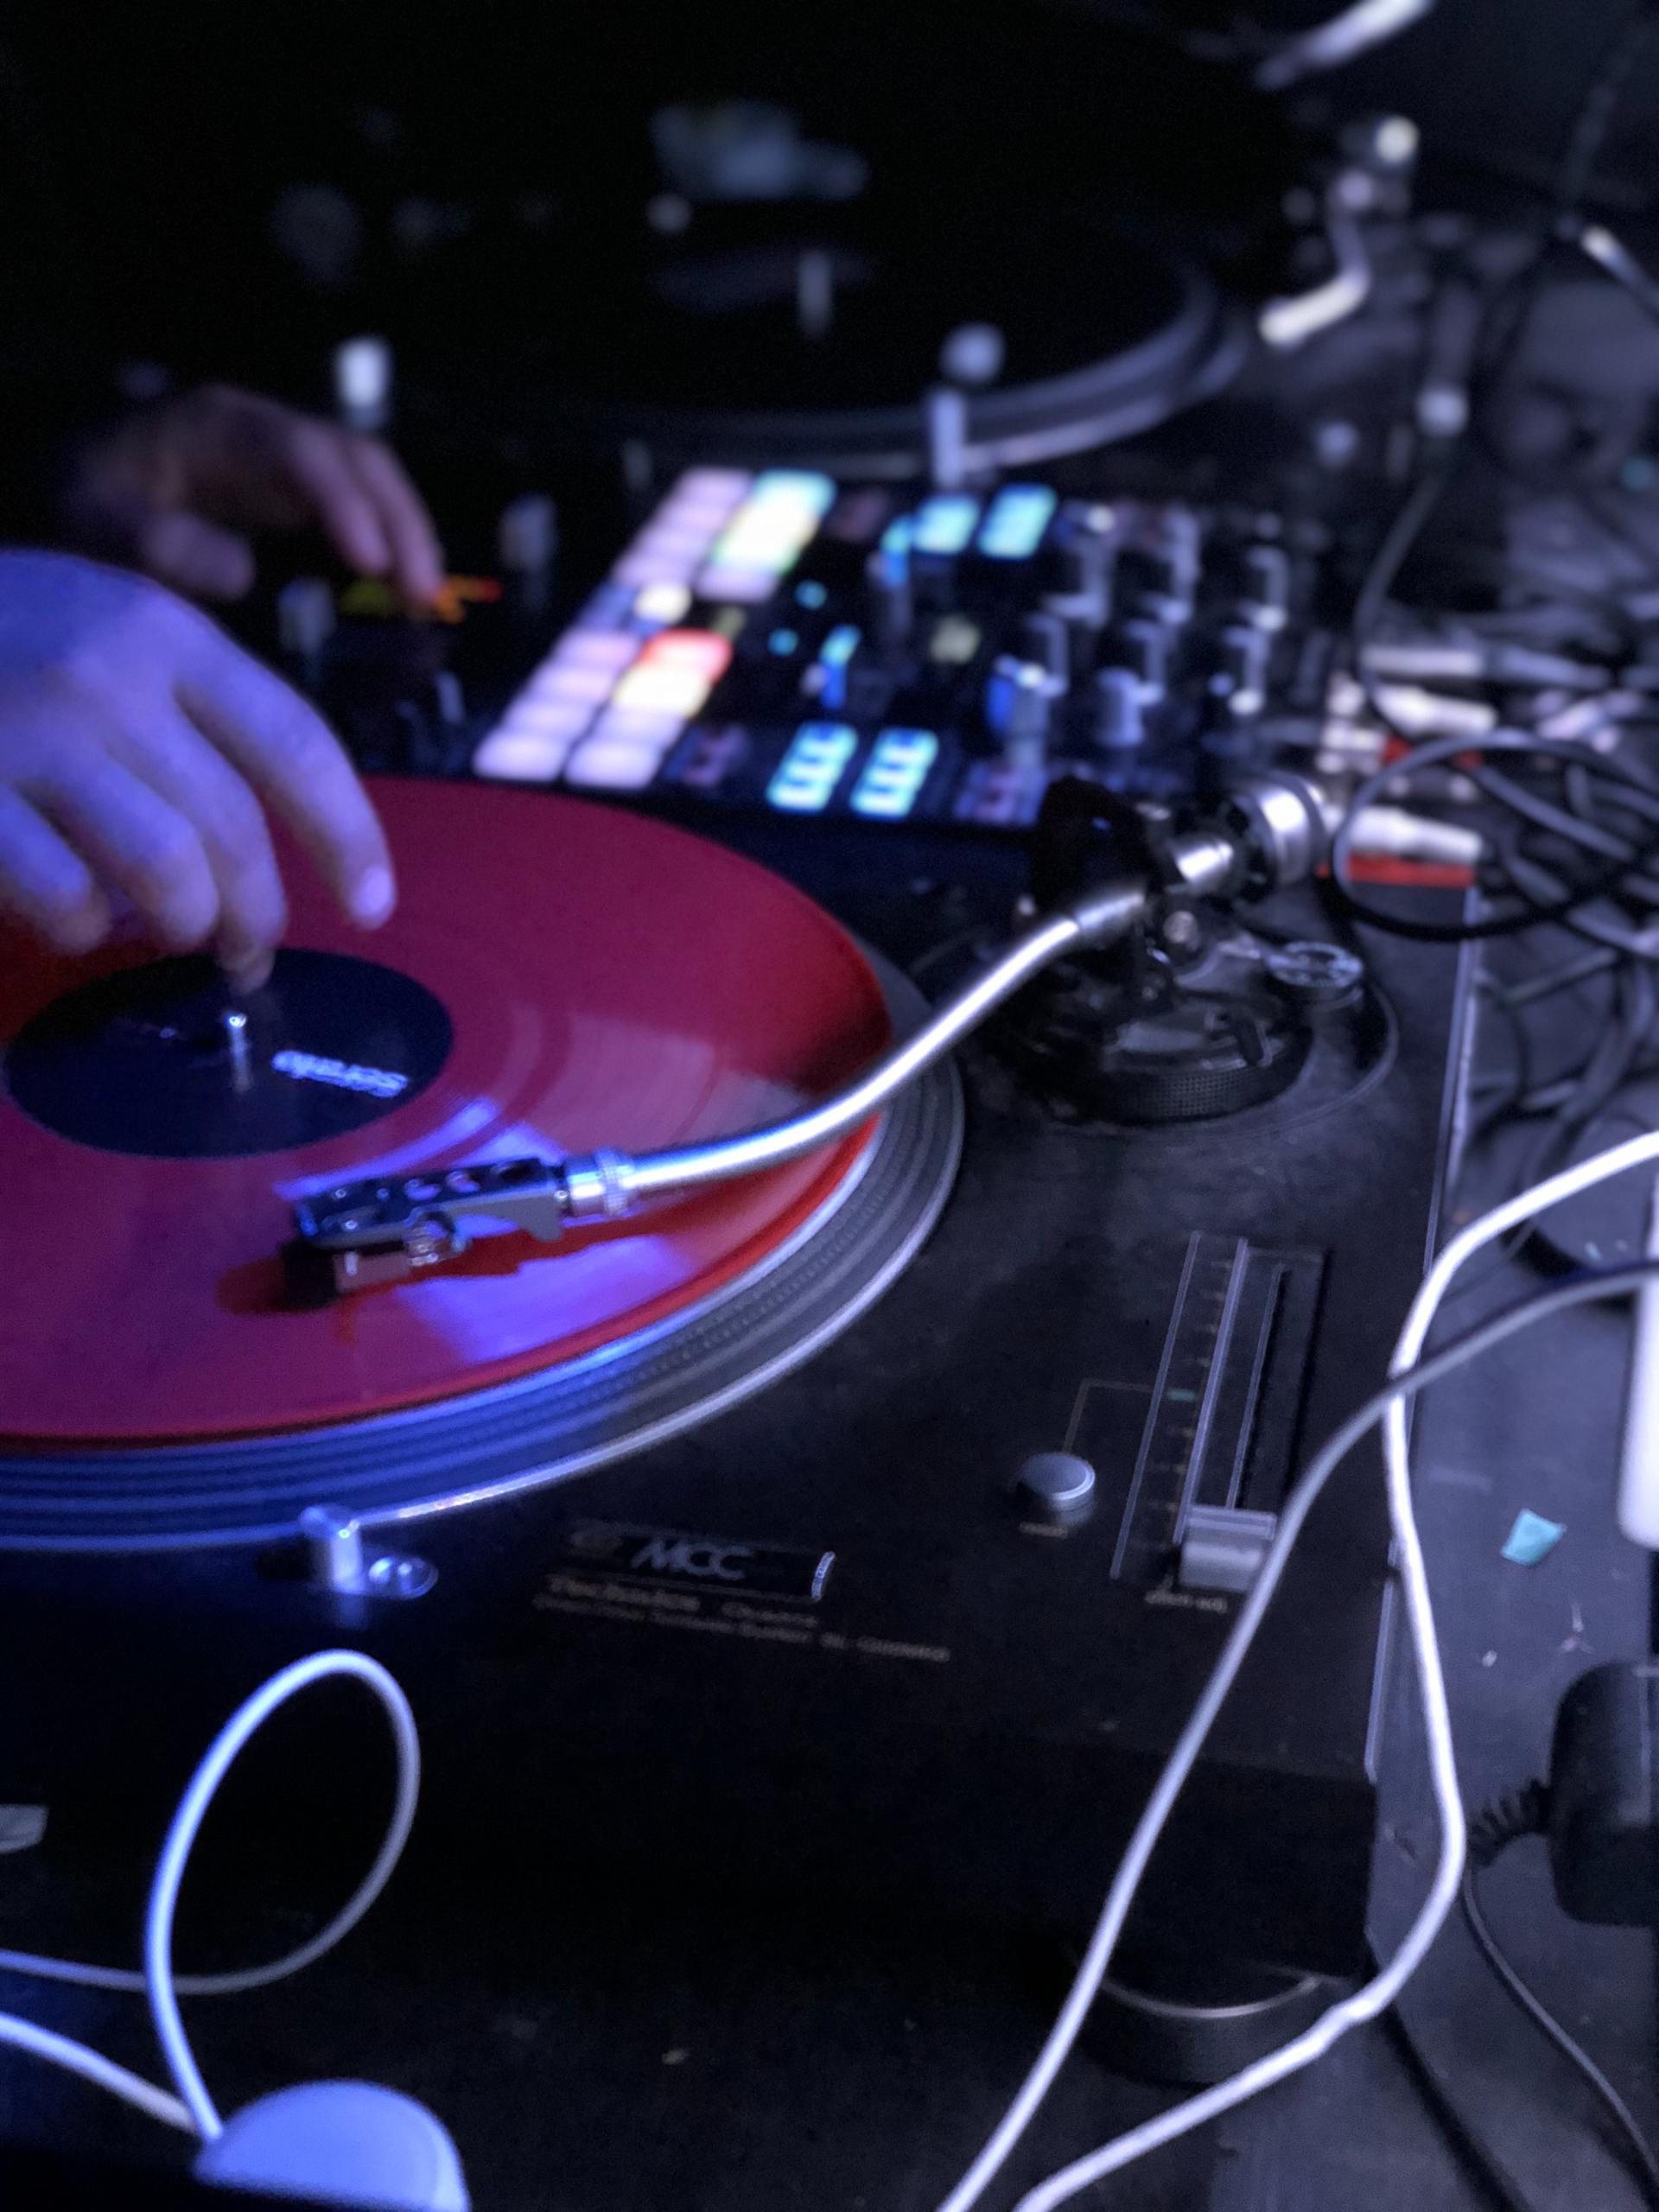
(194, 557)
(297, 767)
(416, 558)
(44, 884)
(364, 501)
(134, 840)
(181, 766)
(249, 971)
(171, 490)
(319, 461)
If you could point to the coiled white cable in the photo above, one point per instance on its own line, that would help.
(195, 2109)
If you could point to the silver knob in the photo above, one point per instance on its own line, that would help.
(891, 602)
(1120, 713)
(1019, 697)
(1045, 639)
(1058, 1487)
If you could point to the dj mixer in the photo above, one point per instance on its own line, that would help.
(778, 641)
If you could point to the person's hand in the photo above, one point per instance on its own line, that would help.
(136, 744)
(173, 490)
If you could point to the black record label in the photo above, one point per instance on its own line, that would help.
(164, 1062)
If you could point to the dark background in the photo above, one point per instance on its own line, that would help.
(467, 177)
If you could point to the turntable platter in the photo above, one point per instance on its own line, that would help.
(557, 977)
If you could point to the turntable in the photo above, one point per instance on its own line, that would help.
(869, 1519)
(598, 978)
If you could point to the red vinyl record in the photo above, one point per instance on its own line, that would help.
(557, 977)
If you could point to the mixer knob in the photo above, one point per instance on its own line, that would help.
(1081, 567)
(1082, 563)
(527, 534)
(891, 600)
(1019, 697)
(1181, 540)
(1240, 676)
(1267, 587)
(1170, 583)
(1045, 639)
(1119, 722)
(1143, 649)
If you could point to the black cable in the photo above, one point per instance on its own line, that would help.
(1604, 1072)
(1637, 2151)
(1598, 1082)
(1496, 347)
(1487, 566)
(1490, 2175)
(1540, 885)
(1522, 1080)
(1560, 978)
(1559, 821)
(1525, 1812)
(1641, 796)
(1379, 787)
(1598, 105)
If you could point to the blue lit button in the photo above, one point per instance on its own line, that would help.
(894, 775)
(803, 489)
(810, 593)
(806, 776)
(889, 806)
(945, 523)
(821, 745)
(799, 794)
(783, 643)
(1013, 526)
(915, 750)
(834, 654)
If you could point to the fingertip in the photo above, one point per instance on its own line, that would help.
(82, 928)
(372, 896)
(419, 593)
(246, 968)
(423, 574)
(319, 458)
(365, 552)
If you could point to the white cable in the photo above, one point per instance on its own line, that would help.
(1343, 39)
(192, 1808)
(196, 2112)
(1380, 1992)
(92, 2066)
(132, 1983)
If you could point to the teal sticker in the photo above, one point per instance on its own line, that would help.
(1532, 1538)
